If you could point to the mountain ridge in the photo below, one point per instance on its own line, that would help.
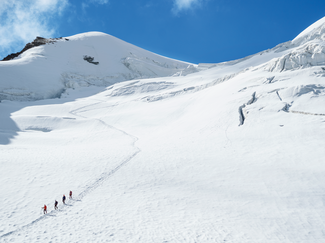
(62, 63)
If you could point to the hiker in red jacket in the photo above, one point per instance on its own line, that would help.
(44, 209)
(70, 195)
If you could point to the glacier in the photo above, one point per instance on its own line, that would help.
(161, 150)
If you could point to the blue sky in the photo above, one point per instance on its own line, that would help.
(189, 30)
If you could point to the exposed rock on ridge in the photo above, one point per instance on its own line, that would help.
(37, 42)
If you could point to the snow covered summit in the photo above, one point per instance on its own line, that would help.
(92, 58)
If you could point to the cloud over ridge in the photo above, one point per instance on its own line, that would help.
(182, 5)
(22, 21)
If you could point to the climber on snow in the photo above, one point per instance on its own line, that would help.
(44, 209)
(56, 205)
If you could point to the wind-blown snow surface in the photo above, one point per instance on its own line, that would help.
(48, 70)
(233, 153)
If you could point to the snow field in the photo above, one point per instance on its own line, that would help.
(46, 174)
(198, 174)
(233, 153)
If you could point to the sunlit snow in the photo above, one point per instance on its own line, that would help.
(159, 150)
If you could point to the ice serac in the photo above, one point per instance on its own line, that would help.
(93, 58)
(306, 50)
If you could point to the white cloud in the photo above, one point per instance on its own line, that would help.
(86, 4)
(182, 5)
(99, 1)
(22, 21)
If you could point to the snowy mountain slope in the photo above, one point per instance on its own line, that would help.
(314, 31)
(92, 58)
(232, 153)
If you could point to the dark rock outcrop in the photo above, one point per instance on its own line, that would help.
(37, 42)
(90, 60)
